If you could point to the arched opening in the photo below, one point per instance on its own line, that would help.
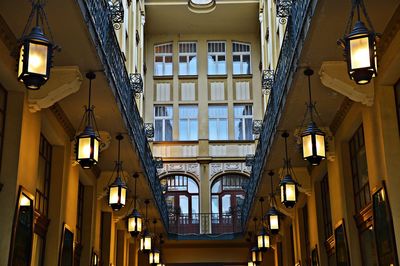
(182, 195)
(227, 195)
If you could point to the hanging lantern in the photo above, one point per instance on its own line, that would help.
(273, 220)
(154, 256)
(87, 143)
(312, 137)
(250, 263)
(256, 255)
(360, 47)
(145, 242)
(288, 185)
(35, 51)
(263, 240)
(135, 221)
(117, 190)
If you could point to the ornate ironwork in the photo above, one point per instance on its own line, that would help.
(296, 32)
(96, 15)
(257, 125)
(249, 159)
(267, 81)
(149, 129)
(283, 8)
(158, 161)
(136, 83)
(116, 12)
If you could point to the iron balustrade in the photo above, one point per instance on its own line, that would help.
(96, 14)
(204, 223)
(296, 31)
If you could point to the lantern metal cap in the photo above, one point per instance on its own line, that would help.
(88, 131)
(135, 214)
(263, 232)
(255, 249)
(272, 211)
(358, 29)
(312, 129)
(90, 75)
(118, 182)
(288, 179)
(37, 35)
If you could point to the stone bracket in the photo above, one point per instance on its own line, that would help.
(63, 82)
(334, 75)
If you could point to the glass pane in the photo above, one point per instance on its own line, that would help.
(183, 129)
(212, 67)
(158, 136)
(184, 204)
(359, 51)
(226, 204)
(368, 250)
(307, 146)
(249, 128)
(223, 129)
(168, 130)
(37, 59)
(192, 65)
(246, 64)
(216, 188)
(192, 186)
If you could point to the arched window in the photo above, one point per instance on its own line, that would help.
(182, 195)
(227, 195)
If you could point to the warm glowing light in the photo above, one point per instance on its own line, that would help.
(84, 149)
(263, 241)
(360, 53)
(96, 149)
(21, 61)
(274, 222)
(135, 224)
(24, 201)
(307, 146)
(123, 196)
(37, 59)
(290, 192)
(154, 257)
(320, 145)
(114, 197)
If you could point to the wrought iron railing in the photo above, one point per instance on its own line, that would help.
(296, 31)
(97, 17)
(204, 223)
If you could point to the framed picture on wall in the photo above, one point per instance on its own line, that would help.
(66, 255)
(314, 256)
(341, 246)
(383, 228)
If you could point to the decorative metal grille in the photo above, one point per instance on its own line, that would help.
(249, 159)
(158, 161)
(257, 125)
(267, 81)
(283, 8)
(136, 83)
(116, 13)
(149, 129)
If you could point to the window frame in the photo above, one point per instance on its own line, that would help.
(241, 54)
(164, 55)
(217, 56)
(164, 119)
(218, 119)
(187, 57)
(188, 120)
(326, 207)
(243, 121)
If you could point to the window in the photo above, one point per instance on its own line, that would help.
(241, 58)
(227, 195)
(359, 170)
(182, 195)
(216, 58)
(163, 123)
(187, 58)
(188, 126)
(326, 207)
(3, 100)
(243, 122)
(218, 122)
(163, 65)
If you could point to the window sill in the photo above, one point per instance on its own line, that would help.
(163, 77)
(224, 76)
(242, 76)
(188, 76)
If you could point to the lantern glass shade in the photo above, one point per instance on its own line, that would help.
(313, 144)
(34, 59)
(263, 241)
(117, 197)
(361, 55)
(24, 201)
(154, 256)
(288, 191)
(256, 255)
(274, 222)
(250, 263)
(145, 242)
(87, 148)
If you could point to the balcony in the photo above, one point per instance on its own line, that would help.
(98, 18)
(296, 31)
(204, 225)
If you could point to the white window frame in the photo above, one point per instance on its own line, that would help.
(218, 119)
(187, 56)
(188, 121)
(164, 118)
(164, 54)
(243, 118)
(241, 53)
(217, 54)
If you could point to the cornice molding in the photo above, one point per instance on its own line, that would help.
(7, 36)
(340, 115)
(62, 118)
(391, 30)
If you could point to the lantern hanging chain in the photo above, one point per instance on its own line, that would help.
(286, 156)
(357, 4)
(134, 195)
(272, 195)
(311, 105)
